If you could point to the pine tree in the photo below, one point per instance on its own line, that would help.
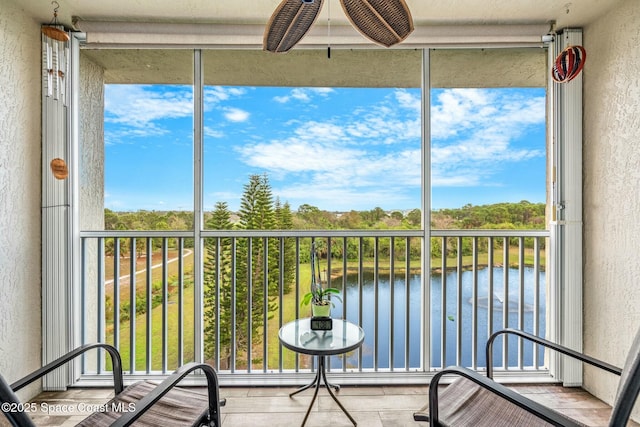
(218, 277)
(284, 221)
(256, 213)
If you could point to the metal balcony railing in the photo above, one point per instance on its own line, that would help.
(139, 293)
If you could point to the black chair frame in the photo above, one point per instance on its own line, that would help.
(621, 411)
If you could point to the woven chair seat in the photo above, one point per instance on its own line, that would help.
(179, 407)
(465, 403)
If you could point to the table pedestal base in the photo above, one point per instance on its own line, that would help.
(321, 375)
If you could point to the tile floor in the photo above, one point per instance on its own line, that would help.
(388, 406)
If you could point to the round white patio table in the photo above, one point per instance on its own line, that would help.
(343, 337)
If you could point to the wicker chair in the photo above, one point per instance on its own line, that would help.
(155, 405)
(476, 400)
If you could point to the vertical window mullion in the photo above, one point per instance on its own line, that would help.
(198, 203)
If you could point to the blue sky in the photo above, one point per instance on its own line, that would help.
(334, 148)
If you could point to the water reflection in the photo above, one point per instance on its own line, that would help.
(392, 315)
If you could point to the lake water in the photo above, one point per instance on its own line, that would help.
(351, 299)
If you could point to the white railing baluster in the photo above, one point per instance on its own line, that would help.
(490, 288)
(343, 289)
(180, 244)
(376, 304)
(360, 293)
(474, 304)
(101, 302)
(281, 279)
(458, 318)
(165, 305)
(536, 298)
(149, 300)
(250, 286)
(443, 316)
(234, 301)
(407, 305)
(116, 292)
(506, 304)
(132, 304)
(521, 304)
(392, 302)
(265, 302)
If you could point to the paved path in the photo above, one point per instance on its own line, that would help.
(124, 280)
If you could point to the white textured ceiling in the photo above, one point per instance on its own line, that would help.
(571, 13)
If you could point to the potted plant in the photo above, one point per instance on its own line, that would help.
(320, 303)
(319, 297)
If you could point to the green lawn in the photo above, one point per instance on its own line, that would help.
(156, 322)
(156, 339)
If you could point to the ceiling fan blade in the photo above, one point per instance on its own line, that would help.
(289, 23)
(385, 22)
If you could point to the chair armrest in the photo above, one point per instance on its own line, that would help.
(545, 343)
(116, 363)
(165, 386)
(517, 399)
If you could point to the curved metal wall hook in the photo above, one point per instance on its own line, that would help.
(51, 29)
(56, 5)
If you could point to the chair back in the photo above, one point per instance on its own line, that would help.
(13, 415)
(629, 386)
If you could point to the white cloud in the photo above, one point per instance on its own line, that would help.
(320, 132)
(408, 100)
(300, 95)
(395, 121)
(474, 132)
(343, 198)
(335, 151)
(216, 94)
(137, 111)
(236, 115)
(297, 155)
(455, 111)
(337, 160)
(213, 133)
(304, 94)
(139, 105)
(235, 91)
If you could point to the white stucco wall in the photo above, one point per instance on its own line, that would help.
(611, 191)
(91, 170)
(91, 134)
(20, 192)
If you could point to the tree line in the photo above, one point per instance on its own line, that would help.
(520, 215)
